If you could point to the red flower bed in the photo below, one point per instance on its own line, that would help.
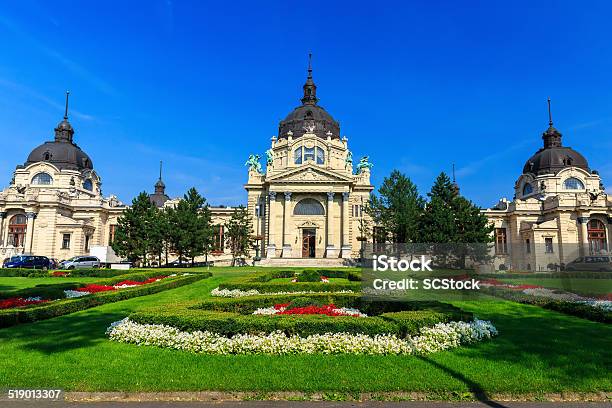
(18, 302)
(328, 310)
(60, 274)
(605, 297)
(93, 288)
(151, 280)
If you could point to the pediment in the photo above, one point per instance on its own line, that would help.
(311, 174)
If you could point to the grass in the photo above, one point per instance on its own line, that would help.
(12, 284)
(575, 285)
(538, 352)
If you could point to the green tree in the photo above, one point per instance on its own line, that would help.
(239, 233)
(133, 229)
(157, 233)
(452, 219)
(190, 229)
(397, 208)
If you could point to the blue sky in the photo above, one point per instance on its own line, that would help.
(417, 86)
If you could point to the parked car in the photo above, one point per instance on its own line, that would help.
(597, 263)
(80, 262)
(27, 262)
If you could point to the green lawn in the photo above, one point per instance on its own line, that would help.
(11, 284)
(538, 352)
(575, 285)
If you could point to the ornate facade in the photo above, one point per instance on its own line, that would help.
(559, 212)
(54, 204)
(309, 202)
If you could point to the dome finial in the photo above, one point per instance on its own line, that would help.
(66, 110)
(310, 89)
(310, 65)
(550, 122)
(160, 169)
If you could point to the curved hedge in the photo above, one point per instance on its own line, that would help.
(261, 281)
(234, 316)
(43, 311)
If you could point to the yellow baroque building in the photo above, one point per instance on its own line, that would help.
(559, 213)
(54, 204)
(309, 202)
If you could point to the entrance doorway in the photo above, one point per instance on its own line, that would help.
(309, 242)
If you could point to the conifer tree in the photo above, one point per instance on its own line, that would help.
(132, 239)
(239, 233)
(189, 229)
(397, 208)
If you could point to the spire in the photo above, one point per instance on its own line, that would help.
(66, 111)
(455, 185)
(64, 130)
(310, 89)
(160, 187)
(552, 137)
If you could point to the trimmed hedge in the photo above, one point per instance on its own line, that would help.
(23, 273)
(548, 275)
(234, 316)
(43, 311)
(571, 308)
(261, 281)
(56, 290)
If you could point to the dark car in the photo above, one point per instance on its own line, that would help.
(598, 263)
(27, 262)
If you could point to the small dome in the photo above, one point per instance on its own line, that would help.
(309, 117)
(554, 157)
(64, 155)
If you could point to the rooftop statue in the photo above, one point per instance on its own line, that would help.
(253, 163)
(364, 163)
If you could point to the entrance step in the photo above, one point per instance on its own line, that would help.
(308, 262)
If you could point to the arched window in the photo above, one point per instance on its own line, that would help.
(597, 236)
(573, 183)
(527, 189)
(297, 156)
(320, 156)
(42, 179)
(17, 230)
(308, 206)
(88, 185)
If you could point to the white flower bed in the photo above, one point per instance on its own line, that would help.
(237, 293)
(440, 337)
(605, 305)
(75, 294)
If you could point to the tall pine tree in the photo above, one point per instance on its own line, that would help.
(397, 208)
(132, 237)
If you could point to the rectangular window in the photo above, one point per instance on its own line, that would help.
(528, 246)
(111, 234)
(218, 239)
(548, 245)
(309, 153)
(501, 241)
(66, 241)
(87, 238)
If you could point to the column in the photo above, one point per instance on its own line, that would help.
(271, 248)
(286, 233)
(330, 250)
(584, 235)
(2, 217)
(346, 244)
(27, 246)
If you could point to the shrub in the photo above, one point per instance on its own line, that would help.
(309, 276)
